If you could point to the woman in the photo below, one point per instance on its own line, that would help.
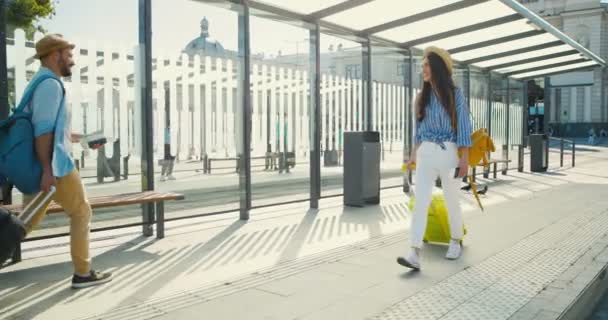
(443, 128)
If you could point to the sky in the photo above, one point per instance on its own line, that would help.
(174, 24)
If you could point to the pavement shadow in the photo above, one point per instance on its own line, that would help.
(298, 239)
(28, 292)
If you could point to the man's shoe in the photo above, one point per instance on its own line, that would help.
(94, 278)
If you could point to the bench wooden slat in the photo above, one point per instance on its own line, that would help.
(499, 161)
(115, 200)
(492, 161)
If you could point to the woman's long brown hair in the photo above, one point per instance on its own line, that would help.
(444, 85)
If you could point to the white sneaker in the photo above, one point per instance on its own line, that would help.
(412, 261)
(171, 177)
(163, 179)
(454, 251)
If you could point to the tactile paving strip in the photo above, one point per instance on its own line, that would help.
(502, 284)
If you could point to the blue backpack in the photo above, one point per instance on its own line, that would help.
(18, 161)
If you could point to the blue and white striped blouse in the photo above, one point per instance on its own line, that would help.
(437, 124)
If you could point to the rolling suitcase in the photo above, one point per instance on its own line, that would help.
(13, 228)
(438, 226)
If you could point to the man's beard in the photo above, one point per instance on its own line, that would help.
(66, 71)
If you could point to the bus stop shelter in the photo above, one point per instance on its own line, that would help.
(500, 38)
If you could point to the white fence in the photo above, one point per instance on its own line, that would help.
(202, 96)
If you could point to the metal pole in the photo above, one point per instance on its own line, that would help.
(547, 104)
(4, 105)
(147, 154)
(244, 87)
(524, 125)
(206, 89)
(406, 137)
(526, 115)
(489, 103)
(508, 123)
(467, 91)
(315, 119)
(468, 87)
(367, 78)
(604, 83)
(410, 110)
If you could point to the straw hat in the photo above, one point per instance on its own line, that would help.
(50, 43)
(444, 55)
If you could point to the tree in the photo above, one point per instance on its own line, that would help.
(24, 14)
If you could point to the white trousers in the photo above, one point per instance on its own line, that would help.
(433, 161)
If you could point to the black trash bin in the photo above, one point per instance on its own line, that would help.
(539, 152)
(361, 168)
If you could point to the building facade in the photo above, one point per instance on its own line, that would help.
(579, 100)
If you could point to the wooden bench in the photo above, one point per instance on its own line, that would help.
(494, 163)
(146, 197)
(270, 162)
(207, 168)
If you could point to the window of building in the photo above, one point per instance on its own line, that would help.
(353, 71)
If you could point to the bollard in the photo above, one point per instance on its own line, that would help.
(561, 152)
(520, 159)
(573, 156)
(125, 165)
(205, 163)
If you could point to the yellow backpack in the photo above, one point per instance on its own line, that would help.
(481, 147)
(479, 151)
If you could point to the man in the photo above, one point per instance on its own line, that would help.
(52, 128)
(169, 161)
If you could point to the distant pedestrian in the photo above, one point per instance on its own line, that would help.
(592, 136)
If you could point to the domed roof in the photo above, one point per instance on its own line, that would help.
(204, 45)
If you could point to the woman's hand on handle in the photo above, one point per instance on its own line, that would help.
(463, 162)
(463, 167)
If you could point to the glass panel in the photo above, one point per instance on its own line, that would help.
(459, 76)
(280, 137)
(446, 22)
(515, 120)
(482, 35)
(389, 106)
(342, 106)
(479, 99)
(525, 66)
(552, 70)
(381, 11)
(521, 56)
(303, 7)
(506, 46)
(499, 115)
(197, 105)
(100, 95)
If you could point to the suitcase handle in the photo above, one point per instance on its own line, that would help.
(405, 171)
(41, 199)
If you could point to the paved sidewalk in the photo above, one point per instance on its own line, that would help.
(541, 239)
